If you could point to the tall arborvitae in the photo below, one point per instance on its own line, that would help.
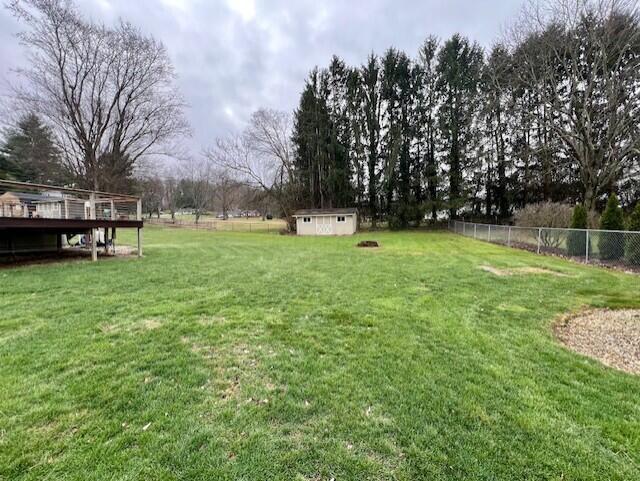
(459, 67)
(611, 244)
(632, 248)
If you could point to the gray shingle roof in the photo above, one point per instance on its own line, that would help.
(311, 212)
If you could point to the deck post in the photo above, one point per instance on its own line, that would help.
(139, 210)
(139, 242)
(94, 244)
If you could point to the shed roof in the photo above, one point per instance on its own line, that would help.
(312, 212)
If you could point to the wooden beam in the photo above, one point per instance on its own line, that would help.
(94, 245)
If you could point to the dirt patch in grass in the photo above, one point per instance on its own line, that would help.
(520, 271)
(368, 244)
(610, 336)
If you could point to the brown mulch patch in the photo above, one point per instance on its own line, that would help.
(368, 243)
(610, 336)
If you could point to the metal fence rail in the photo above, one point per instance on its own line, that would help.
(603, 247)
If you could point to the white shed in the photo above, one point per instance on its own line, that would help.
(326, 221)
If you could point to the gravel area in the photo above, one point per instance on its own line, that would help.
(611, 336)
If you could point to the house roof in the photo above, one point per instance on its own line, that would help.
(27, 197)
(312, 212)
(9, 198)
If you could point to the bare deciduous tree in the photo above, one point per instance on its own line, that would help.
(108, 92)
(172, 195)
(585, 64)
(198, 172)
(262, 156)
(226, 190)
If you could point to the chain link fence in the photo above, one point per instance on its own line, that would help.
(603, 247)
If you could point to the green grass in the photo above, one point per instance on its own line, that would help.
(257, 356)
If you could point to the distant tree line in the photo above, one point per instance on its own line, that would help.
(550, 114)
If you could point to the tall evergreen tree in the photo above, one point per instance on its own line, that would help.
(427, 99)
(340, 172)
(459, 68)
(611, 244)
(29, 153)
(372, 113)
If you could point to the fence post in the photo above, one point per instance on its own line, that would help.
(475, 229)
(586, 255)
(489, 235)
(509, 237)
(539, 238)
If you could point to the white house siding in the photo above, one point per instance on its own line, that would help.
(326, 225)
(49, 210)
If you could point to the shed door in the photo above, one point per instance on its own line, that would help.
(323, 225)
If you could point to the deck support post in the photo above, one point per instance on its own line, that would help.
(94, 244)
(139, 242)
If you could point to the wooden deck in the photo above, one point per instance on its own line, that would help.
(65, 225)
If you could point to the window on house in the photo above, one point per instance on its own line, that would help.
(306, 220)
(341, 218)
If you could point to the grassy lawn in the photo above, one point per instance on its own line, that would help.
(225, 356)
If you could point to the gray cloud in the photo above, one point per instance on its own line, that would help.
(235, 56)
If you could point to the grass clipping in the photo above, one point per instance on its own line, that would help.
(610, 336)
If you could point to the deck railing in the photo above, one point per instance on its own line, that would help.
(20, 199)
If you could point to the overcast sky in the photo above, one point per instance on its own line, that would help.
(234, 56)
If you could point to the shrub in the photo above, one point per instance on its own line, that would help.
(632, 251)
(546, 214)
(611, 244)
(577, 240)
(404, 215)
